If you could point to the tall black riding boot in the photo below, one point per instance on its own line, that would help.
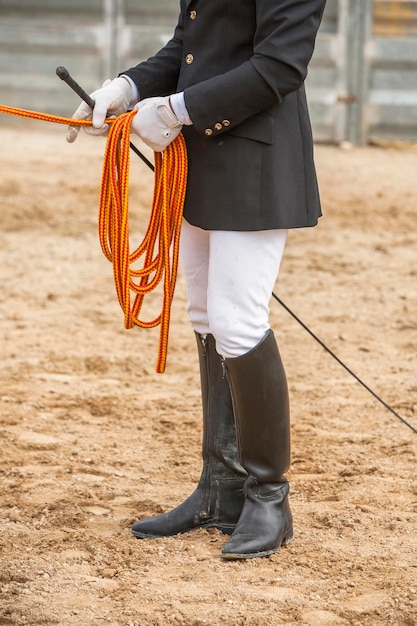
(260, 400)
(218, 498)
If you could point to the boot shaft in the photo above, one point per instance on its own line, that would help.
(259, 390)
(219, 446)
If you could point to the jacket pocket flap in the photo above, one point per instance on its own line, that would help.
(259, 128)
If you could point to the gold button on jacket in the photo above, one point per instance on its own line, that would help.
(189, 59)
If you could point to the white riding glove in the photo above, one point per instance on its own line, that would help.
(113, 98)
(156, 123)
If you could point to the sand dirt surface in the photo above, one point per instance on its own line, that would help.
(92, 438)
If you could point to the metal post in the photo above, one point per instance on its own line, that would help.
(358, 35)
(342, 89)
(113, 27)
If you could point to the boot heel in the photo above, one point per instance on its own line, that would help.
(288, 537)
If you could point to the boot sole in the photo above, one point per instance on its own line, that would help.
(233, 556)
(226, 530)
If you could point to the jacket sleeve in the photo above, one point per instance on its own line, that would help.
(283, 45)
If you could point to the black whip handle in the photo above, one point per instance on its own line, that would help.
(64, 75)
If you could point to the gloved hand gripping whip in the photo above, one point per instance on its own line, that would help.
(64, 75)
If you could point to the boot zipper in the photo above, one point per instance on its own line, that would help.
(204, 513)
(235, 410)
(224, 375)
(203, 340)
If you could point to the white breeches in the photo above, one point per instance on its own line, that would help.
(229, 277)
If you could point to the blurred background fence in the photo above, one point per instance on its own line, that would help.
(362, 84)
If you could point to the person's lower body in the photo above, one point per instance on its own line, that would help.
(229, 278)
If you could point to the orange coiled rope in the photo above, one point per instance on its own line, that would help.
(160, 245)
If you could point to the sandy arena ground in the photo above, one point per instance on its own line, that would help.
(92, 438)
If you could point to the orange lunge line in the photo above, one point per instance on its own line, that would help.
(160, 245)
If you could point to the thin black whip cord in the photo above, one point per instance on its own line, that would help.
(323, 345)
